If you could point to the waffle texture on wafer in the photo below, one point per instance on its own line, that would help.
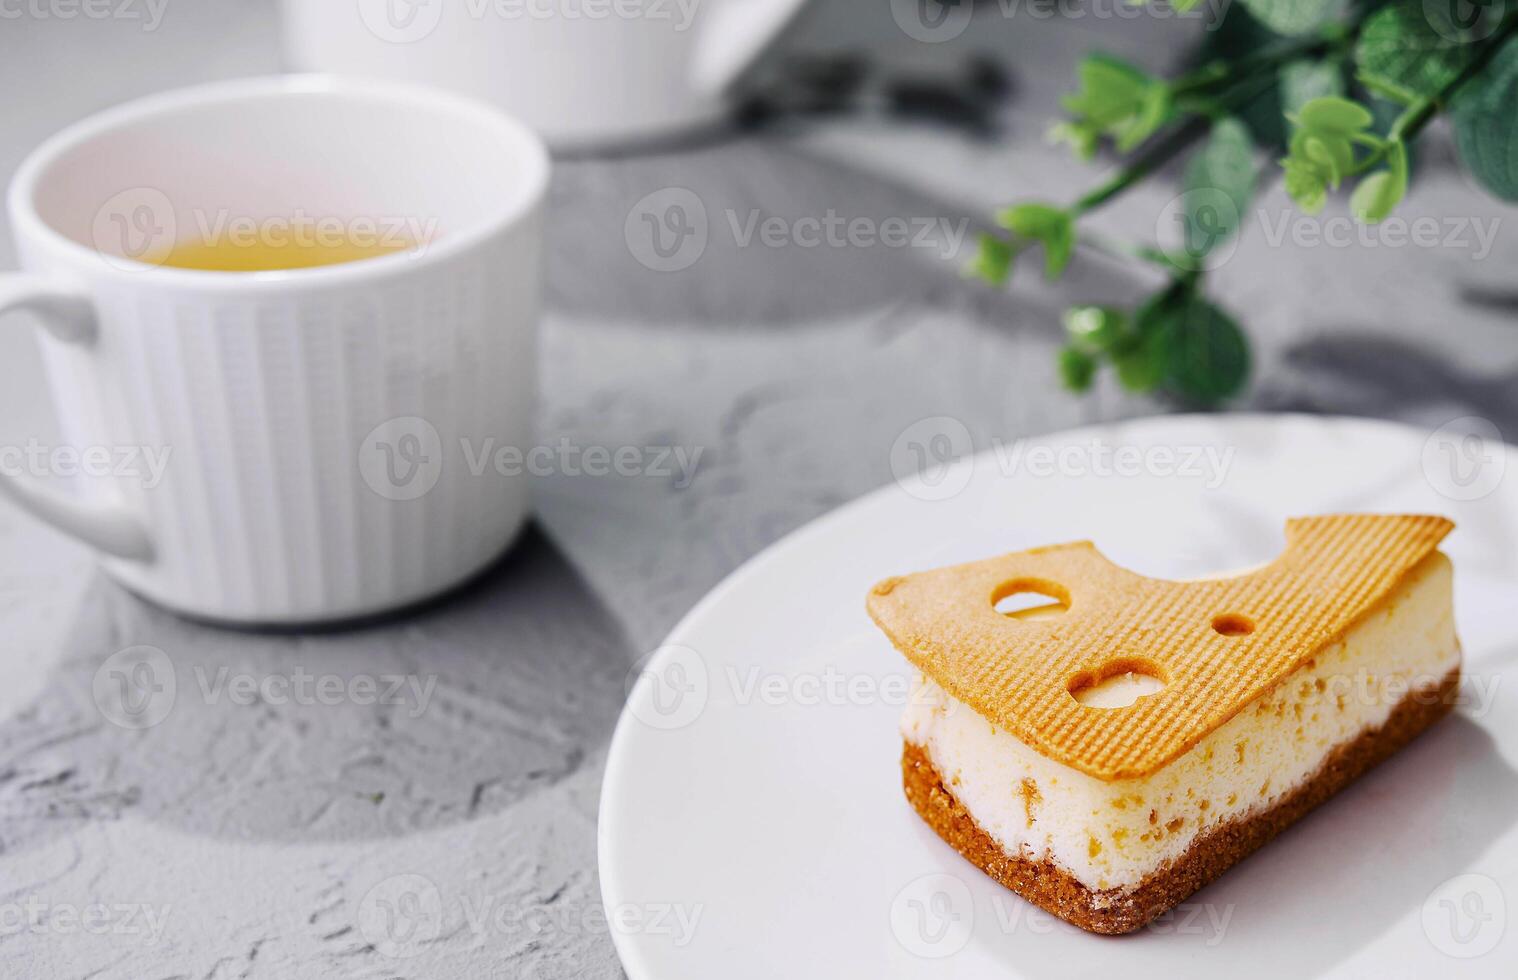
(1216, 645)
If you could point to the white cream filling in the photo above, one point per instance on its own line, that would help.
(1112, 834)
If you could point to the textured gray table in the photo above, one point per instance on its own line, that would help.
(240, 838)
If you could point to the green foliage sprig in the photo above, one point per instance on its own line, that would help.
(1344, 93)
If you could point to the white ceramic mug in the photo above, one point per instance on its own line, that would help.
(312, 425)
(583, 73)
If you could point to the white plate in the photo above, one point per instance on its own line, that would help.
(752, 819)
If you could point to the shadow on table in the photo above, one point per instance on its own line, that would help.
(1364, 374)
(459, 710)
(757, 233)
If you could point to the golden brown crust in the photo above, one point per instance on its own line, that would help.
(1115, 911)
(1218, 643)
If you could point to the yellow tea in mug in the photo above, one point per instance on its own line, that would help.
(295, 248)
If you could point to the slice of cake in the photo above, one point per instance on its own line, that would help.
(1110, 752)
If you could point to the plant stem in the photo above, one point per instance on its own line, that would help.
(1161, 151)
(1421, 112)
(1234, 81)
(1154, 156)
(1126, 250)
(1268, 58)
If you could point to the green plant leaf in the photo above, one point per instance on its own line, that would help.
(1095, 329)
(1077, 369)
(1485, 115)
(1306, 184)
(1218, 186)
(1153, 110)
(1177, 341)
(1412, 49)
(1051, 226)
(1115, 100)
(1142, 358)
(993, 260)
(1387, 112)
(1206, 355)
(1241, 34)
(1333, 155)
(1375, 197)
(1379, 194)
(1083, 136)
(1292, 17)
(1150, 318)
(1033, 219)
(1109, 87)
(1140, 362)
(1331, 114)
(1058, 248)
(1322, 148)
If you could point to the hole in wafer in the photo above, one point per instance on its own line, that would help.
(1117, 683)
(1232, 624)
(1030, 599)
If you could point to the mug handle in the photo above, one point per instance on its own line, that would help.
(733, 35)
(68, 314)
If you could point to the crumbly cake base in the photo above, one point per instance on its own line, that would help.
(1116, 911)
